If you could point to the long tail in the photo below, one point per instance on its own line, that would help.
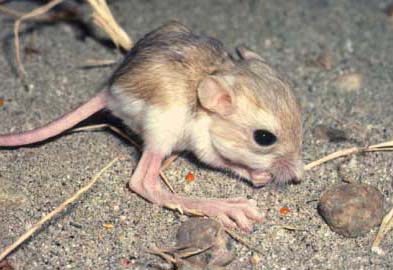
(59, 125)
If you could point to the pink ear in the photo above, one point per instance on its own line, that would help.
(215, 94)
(247, 54)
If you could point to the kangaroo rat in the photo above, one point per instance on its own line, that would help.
(182, 91)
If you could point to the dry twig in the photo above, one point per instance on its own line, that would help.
(10, 12)
(162, 254)
(242, 240)
(386, 146)
(67, 14)
(103, 17)
(386, 226)
(113, 128)
(36, 12)
(56, 211)
(98, 63)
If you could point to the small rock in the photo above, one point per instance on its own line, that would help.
(201, 233)
(349, 45)
(325, 133)
(255, 259)
(349, 82)
(268, 43)
(325, 60)
(184, 265)
(352, 209)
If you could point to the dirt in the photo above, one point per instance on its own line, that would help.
(291, 35)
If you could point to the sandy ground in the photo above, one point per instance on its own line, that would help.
(290, 34)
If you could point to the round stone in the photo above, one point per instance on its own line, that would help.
(352, 209)
(209, 235)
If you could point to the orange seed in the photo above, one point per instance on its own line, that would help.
(284, 210)
(190, 177)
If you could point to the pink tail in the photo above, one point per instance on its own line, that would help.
(59, 125)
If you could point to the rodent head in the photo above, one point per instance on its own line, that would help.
(256, 127)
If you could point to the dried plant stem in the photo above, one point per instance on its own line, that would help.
(56, 211)
(113, 128)
(103, 17)
(162, 254)
(10, 12)
(386, 226)
(332, 156)
(386, 146)
(16, 14)
(99, 63)
(36, 12)
(242, 240)
(168, 161)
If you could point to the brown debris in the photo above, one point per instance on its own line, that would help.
(325, 60)
(201, 243)
(352, 209)
(199, 233)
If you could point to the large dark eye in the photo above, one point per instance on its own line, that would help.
(264, 137)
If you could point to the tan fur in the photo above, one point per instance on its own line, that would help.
(161, 77)
(169, 72)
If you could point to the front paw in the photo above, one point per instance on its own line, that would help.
(260, 178)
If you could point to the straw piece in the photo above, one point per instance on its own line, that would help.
(56, 211)
(34, 13)
(386, 226)
(103, 18)
(385, 146)
(332, 156)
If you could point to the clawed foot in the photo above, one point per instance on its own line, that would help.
(231, 212)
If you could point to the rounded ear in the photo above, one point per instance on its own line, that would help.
(247, 54)
(215, 94)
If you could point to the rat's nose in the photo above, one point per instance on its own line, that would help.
(287, 170)
(298, 171)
